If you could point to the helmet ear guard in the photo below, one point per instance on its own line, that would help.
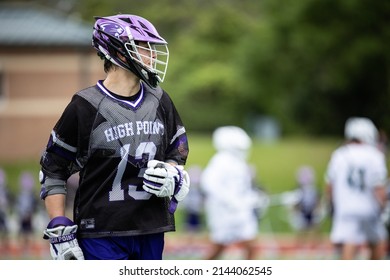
(124, 35)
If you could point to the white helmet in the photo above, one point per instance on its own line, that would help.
(362, 129)
(232, 139)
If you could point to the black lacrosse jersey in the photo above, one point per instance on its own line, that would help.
(110, 140)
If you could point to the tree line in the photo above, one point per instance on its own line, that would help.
(310, 64)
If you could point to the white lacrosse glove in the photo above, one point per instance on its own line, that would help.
(61, 233)
(165, 180)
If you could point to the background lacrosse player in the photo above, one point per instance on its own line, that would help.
(230, 200)
(356, 178)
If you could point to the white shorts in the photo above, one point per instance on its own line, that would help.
(357, 230)
(232, 231)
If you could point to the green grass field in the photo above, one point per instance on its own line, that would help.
(275, 163)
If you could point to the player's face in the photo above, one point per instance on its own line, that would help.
(147, 53)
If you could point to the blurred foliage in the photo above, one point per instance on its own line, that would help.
(308, 63)
(327, 60)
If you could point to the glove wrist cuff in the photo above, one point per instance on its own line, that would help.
(60, 221)
(62, 239)
(178, 181)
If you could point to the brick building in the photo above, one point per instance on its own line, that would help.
(45, 57)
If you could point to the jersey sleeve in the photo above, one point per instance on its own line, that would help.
(332, 167)
(178, 148)
(378, 171)
(59, 159)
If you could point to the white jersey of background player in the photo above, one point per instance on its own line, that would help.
(356, 177)
(229, 195)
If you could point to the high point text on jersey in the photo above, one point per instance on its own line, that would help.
(129, 129)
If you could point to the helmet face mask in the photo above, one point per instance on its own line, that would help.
(152, 58)
(133, 43)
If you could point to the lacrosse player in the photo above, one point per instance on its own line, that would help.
(25, 207)
(356, 178)
(127, 141)
(230, 200)
(4, 213)
(305, 215)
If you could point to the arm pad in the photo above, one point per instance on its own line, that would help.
(51, 186)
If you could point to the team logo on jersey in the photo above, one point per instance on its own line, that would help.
(134, 128)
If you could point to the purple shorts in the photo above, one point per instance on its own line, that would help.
(142, 247)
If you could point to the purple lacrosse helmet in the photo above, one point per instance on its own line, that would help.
(26, 181)
(122, 34)
(305, 175)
